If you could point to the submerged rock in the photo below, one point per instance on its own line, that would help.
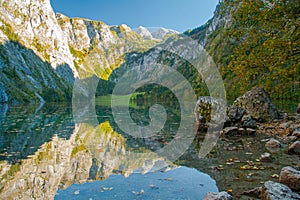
(218, 196)
(250, 131)
(290, 177)
(266, 157)
(296, 134)
(273, 143)
(277, 191)
(207, 105)
(257, 103)
(289, 139)
(294, 148)
(256, 192)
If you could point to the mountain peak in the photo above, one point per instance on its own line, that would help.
(154, 33)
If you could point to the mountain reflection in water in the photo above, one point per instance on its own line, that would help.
(43, 151)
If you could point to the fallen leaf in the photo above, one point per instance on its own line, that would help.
(107, 188)
(168, 179)
(275, 176)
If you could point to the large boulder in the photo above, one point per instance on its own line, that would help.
(277, 191)
(290, 177)
(235, 113)
(208, 107)
(218, 196)
(257, 103)
(248, 122)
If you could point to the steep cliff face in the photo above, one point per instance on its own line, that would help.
(36, 62)
(98, 48)
(34, 25)
(42, 53)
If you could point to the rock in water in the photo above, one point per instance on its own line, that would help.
(257, 103)
(230, 131)
(289, 139)
(290, 177)
(266, 157)
(294, 148)
(296, 134)
(256, 192)
(277, 191)
(207, 105)
(273, 143)
(218, 196)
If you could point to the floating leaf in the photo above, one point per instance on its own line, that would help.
(275, 176)
(107, 188)
(152, 186)
(137, 193)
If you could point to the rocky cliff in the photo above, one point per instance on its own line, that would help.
(43, 53)
(98, 48)
(36, 63)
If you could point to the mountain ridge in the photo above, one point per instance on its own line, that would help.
(58, 48)
(43, 53)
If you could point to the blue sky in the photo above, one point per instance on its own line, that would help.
(179, 15)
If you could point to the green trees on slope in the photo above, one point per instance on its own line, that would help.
(260, 47)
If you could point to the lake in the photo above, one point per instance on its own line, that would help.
(48, 152)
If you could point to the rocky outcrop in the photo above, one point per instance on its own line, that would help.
(33, 24)
(257, 104)
(249, 109)
(243, 116)
(204, 107)
(235, 113)
(43, 53)
(290, 177)
(218, 196)
(277, 191)
(25, 77)
(35, 58)
(97, 48)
